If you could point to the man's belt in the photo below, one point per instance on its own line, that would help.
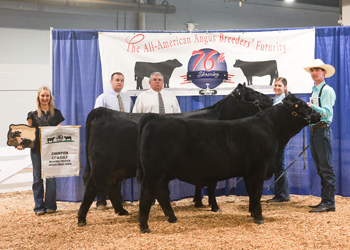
(320, 125)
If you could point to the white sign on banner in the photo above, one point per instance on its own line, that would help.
(60, 151)
(191, 62)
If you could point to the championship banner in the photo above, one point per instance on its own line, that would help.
(209, 63)
(60, 151)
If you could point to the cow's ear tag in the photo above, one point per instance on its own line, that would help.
(296, 105)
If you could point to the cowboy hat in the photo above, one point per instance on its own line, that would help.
(318, 63)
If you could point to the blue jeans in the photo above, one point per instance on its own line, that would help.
(281, 187)
(321, 150)
(38, 187)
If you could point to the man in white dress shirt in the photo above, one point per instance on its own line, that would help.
(119, 101)
(110, 99)
(156, 100)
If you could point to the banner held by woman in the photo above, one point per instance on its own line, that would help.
(60, 151)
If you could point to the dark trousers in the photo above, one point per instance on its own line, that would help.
(321, 150)
(49, 202)
(281, 187)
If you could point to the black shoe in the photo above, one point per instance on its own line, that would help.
(315, 206)
(277, 200)
(323, 208)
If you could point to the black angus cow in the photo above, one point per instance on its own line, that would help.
(262, 68)
(143, 69)
(111, 142)
(25, 142)
(15, 134)
(51, 139)
(203, 152)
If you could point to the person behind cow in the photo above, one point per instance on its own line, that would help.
(45, 115)
(156, 100)
(322, 100)
(114, 98)
(119, 101)
(281, 187)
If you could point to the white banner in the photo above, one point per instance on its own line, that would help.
(190, 61)
(60, 151)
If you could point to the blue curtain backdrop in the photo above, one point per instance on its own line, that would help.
(77, 82)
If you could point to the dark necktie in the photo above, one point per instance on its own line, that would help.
(121, 106)
(161, 104)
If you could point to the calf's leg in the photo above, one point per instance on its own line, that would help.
(255, 186)
(163, 198)
(89, 196)
(115, 197)
(212, 198)
(248, 189)
(147, 196)
(197, 199)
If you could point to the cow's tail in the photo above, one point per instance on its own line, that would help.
(95, 113)
(144, 120)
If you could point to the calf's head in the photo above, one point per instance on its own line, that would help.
(299, 108)
(245, 94)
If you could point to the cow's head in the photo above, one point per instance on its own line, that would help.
(237, 63)
(175, 63)
(249, 95)
(300, 109)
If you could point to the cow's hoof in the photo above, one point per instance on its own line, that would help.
(124, 212)
(172, 219)
(81, 224)
(216, 210)
(259, 222)
(198, 204)
(146, 230)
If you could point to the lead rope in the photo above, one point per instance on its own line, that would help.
(304, 155)
(288, 167)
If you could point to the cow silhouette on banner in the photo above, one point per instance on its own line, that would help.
(143, 69)
(261, 68)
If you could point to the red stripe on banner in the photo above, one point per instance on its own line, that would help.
(185, 80)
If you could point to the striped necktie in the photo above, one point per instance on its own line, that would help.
(121, 106)
(161, 104)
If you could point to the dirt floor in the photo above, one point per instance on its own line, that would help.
(287, 226)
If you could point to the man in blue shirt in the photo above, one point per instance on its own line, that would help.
(111, 98)
(322, 100)
(119, 101)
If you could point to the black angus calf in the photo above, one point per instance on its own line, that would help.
(203, 152)
(111, 143)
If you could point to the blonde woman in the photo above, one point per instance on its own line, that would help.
(281, 187)
(44, 115)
